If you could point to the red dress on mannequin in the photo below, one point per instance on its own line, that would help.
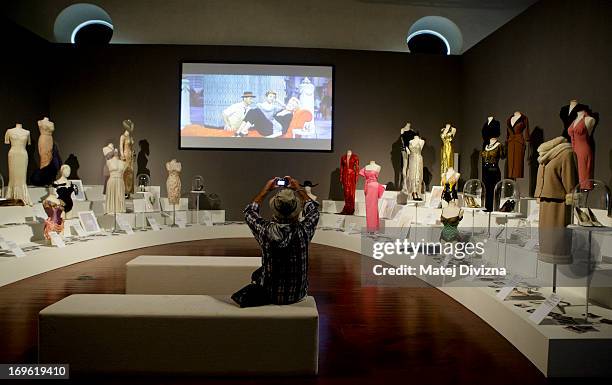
(349, 171)
(579, 135)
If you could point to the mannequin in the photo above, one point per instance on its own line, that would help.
(308, 188)
(517, 139)
(406, 135)
(115, 187)
(64, 188)
(126, 148)
(373, 191)
(173, 183)
(580, 131)
(18, 137)
(554, 191)
(415, 169)
(447, 133)
(449, 184)
(491, 174)
(349, 172)
(568, 114)
(45, 141)
(490, 129)
(54, 208)
(450, 218)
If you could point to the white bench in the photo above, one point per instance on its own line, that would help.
(174, 334)
(161, 274)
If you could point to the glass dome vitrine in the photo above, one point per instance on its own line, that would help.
(473, 194)
(506, 198)
(144, 182)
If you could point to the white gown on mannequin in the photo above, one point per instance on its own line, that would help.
(415, 165)
(115, 188)
(18, 138)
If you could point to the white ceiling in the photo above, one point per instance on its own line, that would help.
(345, 24)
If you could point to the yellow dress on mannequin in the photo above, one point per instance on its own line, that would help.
(446, 157)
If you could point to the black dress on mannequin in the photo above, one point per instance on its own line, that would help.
(489, 131)
(64, 193)
(407, 136)
(490, 170)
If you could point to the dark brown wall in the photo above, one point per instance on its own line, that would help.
(375, 94)
(555, 51)
(23, 88)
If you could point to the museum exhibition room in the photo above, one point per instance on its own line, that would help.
(306, 192)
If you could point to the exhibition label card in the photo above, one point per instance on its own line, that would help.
(153, 223)
(3, 244)
(207, 218)
(339, 223)
(39, 211)
(79, 229)
(542, 311)
(15, 249)
(181, 220)
(507, 289)
(125, 226)
(57, 240)
(350, 228)
(531, 244)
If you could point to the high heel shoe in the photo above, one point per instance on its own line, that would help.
(583, 218)
(508, 206)
(593, 218)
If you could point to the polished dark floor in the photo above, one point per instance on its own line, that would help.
(368, 335)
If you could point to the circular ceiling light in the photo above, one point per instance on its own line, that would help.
(84, 23)
(89, 25)
(435, 34)
(428, 41)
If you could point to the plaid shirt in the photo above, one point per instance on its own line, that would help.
(284, 252)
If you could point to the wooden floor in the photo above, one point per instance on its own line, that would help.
(368, 335)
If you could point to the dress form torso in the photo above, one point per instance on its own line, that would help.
(349, 172)
(173, 183)
(18, 138)
(446, 159)
(579, 133)
(45, 141)
(373, 191)
(517, 138)
(415, 168)
(115, 187)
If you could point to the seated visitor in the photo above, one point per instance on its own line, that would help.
(284, 240)
(233, 115)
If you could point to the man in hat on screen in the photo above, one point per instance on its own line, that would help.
(234, 114)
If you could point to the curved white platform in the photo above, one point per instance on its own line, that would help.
(554, 350)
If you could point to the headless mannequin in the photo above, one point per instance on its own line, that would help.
(589, 121)
(517, 115)
(348, 155)
(449, 128)
(308, 190)
(493, 142)
(489, 119)
(416, 170)
(372, 166)
(572, 104)
(405, 154)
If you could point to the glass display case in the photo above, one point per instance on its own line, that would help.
(197, 183)
(144, 182)
(473, 194)
(590, 213)
(506, 198)
(197, 190)
(591, 205)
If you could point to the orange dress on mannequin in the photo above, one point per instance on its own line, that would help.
(579, 135)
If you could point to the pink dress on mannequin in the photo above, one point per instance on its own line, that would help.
(373, 191)
(579, 135)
